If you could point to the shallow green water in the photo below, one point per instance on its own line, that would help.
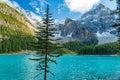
(69, 67)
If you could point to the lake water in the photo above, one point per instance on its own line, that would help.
(69, 67)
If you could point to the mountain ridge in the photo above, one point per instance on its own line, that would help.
(35, 19)
(12, 18)
(98, 21)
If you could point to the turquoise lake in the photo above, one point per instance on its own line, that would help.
(69, 67)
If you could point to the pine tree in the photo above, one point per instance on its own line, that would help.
(45, 44)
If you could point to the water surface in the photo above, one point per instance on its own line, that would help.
(69, 67)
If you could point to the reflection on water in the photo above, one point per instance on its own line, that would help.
(69, 67)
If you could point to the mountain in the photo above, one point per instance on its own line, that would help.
(16, 31)
(76, 30)
(98, 18)
(35, 19)
(14, 20)
(32, 17)
(92, 24)
(106, 37)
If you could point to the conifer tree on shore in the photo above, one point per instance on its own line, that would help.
(45, 44)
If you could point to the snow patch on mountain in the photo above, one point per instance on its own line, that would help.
(58, 35)
(69, 35)
(35, 19)
(106, 37)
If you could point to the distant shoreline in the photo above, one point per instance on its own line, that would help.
(33, 52)
(21, 52)
(98, 55)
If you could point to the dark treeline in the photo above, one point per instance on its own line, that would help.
(92, 49)
(15, 44)
(73, 45)
(14, 40)
(76, 45)
(104, 49)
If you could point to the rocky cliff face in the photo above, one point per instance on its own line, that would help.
(76, 30)
(69, 27)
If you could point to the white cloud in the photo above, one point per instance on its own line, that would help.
(33, 3)
(80, 5)
(38, 4)
(61, 7)
(59, 10)
(37, 10)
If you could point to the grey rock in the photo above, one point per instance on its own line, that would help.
(77, 30)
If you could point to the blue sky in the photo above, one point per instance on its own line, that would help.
(63, 8)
